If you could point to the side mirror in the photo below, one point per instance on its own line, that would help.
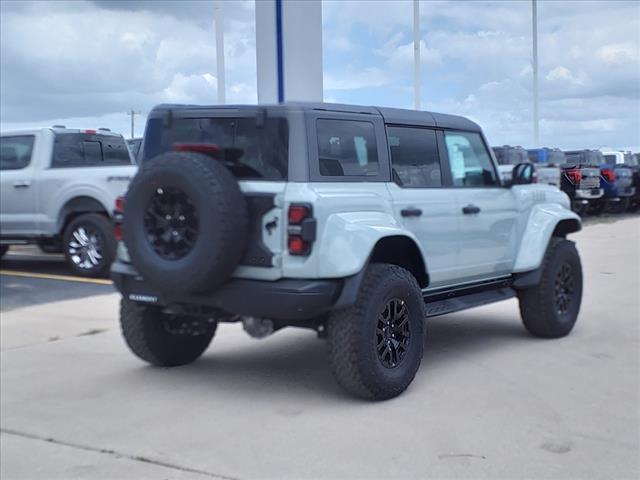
(523, 174)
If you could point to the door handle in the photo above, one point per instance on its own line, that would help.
(470, 210)
(21, 184)
(411, 212)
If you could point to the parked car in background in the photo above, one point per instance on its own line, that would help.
(508, 156)
(58, 190)
(580, 179)
(134, 146)
(622, 164)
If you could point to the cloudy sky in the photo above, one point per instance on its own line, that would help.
(85, 63)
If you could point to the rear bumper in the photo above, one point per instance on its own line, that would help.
(589, 194)
(286, 299)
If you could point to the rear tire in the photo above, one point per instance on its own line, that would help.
(161, 339)
(550, 309)
(375, 346)
(89, 245)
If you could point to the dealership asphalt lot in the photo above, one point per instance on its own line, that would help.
(488, 401)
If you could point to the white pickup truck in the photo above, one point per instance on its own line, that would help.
(58, 188)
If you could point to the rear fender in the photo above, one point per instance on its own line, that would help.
(544, 221)
(348, 239)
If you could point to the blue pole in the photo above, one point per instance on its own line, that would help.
(279, 51)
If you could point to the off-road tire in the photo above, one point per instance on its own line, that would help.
(104, 231)
(352, 338)
(620, 206)
(220, 213)
(145, 332)
(3, 250)
(597, 208)
(538, 307)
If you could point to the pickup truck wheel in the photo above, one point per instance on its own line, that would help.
(3, 250)
(161, 339)
(550, 309)
(89, 245)
(375, 346)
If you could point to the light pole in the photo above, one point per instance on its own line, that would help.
(534, 27)
(133, 113)
(220, 54)
(416, 53)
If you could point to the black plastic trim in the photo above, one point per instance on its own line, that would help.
(257, 254)
(285, 299)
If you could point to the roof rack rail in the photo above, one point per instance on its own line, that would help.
(58, 126)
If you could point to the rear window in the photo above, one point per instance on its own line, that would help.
(610, 159)
(89, 150)
(251, 152)
(15, 152)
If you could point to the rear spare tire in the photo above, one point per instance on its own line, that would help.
(185, 222)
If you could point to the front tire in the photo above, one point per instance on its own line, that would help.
(161, 339)
(3, 250)
(89, 245)
(375, 346)
(550, 309)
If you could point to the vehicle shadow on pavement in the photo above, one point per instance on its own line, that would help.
(297, 364)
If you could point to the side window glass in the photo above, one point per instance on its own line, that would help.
(414, 157)
(347, 148)
(470, 162)
(15, 152)
(68, 150)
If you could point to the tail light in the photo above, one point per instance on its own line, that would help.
(118, 212)
(609, 175)
(575, 176)
(301, 229)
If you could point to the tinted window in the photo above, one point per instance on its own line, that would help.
(249, 151)
(92, 152)
(471, 165)
(15, 152)
(89, 150)
(347, 148)
(610, 159)
(115, 151)
(414, 157)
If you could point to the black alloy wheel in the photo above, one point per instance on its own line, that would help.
(563, 289)
(393, 333)
(171, 223)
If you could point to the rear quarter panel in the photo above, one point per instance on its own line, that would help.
(57, 186)
(351, 218)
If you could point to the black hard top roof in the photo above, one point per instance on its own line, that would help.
(390, 115)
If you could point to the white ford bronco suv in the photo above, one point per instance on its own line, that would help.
(58, 186)
(356, 222)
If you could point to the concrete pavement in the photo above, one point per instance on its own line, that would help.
(488, 401)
